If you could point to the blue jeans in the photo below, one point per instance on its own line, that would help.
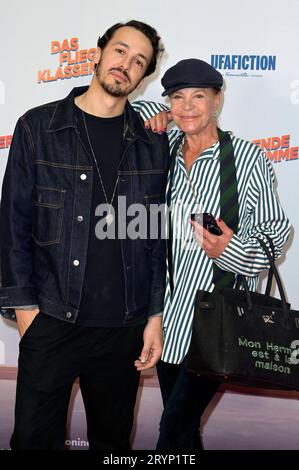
(185, 398)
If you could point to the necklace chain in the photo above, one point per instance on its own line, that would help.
(186, 173)
(192, 187)
(188, 178)
(109, 216)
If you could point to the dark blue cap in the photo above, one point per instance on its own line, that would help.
(191, 73)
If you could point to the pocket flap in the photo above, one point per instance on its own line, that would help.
(49, 197)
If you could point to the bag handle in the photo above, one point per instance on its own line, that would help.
(275, 272)
(242, 280)
(270, 274)
(286, 322)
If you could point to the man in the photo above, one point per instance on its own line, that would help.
(83, 302)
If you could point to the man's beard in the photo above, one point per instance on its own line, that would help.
(114, 89)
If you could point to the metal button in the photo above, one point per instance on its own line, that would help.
(83, 176)
(68, 315)
(76, 262)
(80, 218)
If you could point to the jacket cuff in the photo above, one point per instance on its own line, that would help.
(11, 296)
(24, 307)
(156, 304)
(160, 314)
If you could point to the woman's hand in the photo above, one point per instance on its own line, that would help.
(159, 122)
(213, 245)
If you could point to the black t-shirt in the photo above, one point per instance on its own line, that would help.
(103, 295)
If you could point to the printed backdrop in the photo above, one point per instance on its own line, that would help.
(47, 48)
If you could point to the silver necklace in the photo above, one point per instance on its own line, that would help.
(109, 217)
(186, 173)
(191, 187)
(188, 177)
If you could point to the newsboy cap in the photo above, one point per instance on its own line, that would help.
(191, 73)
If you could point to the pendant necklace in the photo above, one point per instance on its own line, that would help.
(109, 217)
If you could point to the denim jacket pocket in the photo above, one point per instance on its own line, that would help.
(48, 220)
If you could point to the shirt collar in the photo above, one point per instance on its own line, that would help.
(211, 153)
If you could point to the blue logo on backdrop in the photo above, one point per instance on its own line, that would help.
(244, 65)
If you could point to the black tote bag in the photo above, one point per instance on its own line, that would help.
(246, 337)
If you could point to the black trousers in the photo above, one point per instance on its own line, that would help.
(52, 355)
(185, 398)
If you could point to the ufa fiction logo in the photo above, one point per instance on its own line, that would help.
(72, 61)
(243, 62)
(245, 65)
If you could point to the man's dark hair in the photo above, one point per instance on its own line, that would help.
(144, 28)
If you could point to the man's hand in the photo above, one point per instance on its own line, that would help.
(152, 344)
(159, 122)
(213, 245)
(25, 318)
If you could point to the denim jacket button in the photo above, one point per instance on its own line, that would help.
(80, 218)
(68, 314)
(76, 262)
(83, 176)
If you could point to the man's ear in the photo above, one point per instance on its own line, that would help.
(97, 55)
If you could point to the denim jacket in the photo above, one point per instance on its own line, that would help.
(45, 213)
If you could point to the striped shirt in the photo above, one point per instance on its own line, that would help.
(259, 212)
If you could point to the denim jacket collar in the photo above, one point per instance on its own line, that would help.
(64, 117)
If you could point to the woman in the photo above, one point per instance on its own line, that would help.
(194, 89)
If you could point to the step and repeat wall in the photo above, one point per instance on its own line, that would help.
(47, 49)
